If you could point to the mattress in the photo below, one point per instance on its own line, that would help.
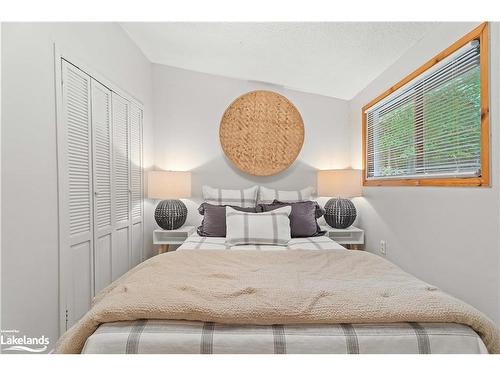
(196, 242)
(184, 337)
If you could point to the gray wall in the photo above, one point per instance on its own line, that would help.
(446, 236)
(188, 109)
(29, 171)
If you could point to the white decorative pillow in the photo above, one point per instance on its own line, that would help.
(267, 195)
(263, 228)
(241, 198)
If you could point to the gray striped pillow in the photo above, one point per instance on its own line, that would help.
(263, 228)
(267, 195)
(242, 197)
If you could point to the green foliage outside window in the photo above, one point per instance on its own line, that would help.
(451, 115)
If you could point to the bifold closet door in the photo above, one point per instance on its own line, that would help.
(75, 194)
(99, 147)
(103, 185)
(121, 182)
(136, 185)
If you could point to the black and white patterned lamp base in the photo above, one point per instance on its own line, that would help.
(171, 214)
(340, 213)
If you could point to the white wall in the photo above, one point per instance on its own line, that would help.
(446, 236)
(188, 109)
(29, 173)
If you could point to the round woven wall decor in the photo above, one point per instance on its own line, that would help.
(262, 133)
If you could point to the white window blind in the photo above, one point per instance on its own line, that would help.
(430, 127)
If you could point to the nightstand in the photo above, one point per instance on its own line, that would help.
(352, 237)
(166, 238)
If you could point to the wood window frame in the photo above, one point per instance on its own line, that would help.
(482, 33)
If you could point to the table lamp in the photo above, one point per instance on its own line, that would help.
(341, 184)
(171, 212)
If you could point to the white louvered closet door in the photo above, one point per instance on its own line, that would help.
(136, 182)
(99, 140)
(103, 184)
(76, 219)
(121, 182)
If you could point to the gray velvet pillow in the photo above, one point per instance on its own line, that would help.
(302, 218)
(214, 219)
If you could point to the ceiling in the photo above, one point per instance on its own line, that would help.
(336, 59)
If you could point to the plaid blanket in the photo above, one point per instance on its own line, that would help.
(185, 337)
(196, 242)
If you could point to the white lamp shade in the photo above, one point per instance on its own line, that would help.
(169, 185)
(344, 183)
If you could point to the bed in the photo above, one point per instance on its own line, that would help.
(140, 323)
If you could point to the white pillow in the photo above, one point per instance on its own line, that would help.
(241, 197)
(263, 228)
(267, 195)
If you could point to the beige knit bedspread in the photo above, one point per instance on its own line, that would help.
(274, 287)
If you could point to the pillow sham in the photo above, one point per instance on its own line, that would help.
(302, 217)
(267, 195)
(214, 219)
(263, 228)
(241, 198)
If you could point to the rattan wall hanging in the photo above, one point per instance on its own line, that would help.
(261, 133)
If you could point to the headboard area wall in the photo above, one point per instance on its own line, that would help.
(188, 111)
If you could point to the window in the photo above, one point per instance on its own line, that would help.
(432, 127)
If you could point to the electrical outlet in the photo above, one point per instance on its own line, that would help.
(383, 247)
